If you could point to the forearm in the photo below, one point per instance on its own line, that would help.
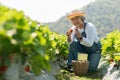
(69, 38)
(86, 42)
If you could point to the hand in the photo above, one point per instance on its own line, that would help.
(69, 32)
(78, 34)
(69, 38)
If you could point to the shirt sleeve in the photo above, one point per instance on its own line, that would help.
(90, 35)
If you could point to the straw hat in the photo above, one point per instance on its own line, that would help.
(75, 13)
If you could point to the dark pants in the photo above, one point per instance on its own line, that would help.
(93, 58)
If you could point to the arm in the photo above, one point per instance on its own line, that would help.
(70, 35)
(69, 38)
(90, 35)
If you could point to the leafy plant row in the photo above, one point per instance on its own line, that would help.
(111, 46)
(23, 39)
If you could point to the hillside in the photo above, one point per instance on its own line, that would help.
(102, 13)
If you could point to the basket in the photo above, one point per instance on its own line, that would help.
(80, 67)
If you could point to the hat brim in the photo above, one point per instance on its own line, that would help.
(75, 15)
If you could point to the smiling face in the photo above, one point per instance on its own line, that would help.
(76, 21)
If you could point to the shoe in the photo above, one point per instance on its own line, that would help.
(70, 69)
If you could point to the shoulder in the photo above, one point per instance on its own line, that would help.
(88, 24)
(90, 27)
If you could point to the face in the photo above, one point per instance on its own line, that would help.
(76, 21)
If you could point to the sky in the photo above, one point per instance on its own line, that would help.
(45, 10)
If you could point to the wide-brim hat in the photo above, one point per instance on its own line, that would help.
(75, 13)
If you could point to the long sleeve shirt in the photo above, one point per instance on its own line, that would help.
(91, 35)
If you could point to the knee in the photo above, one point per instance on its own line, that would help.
(93, 65)
(72, 46)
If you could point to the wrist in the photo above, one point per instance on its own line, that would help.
(69, 38)
(80, 38)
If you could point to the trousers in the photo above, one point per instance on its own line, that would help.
(93, 57)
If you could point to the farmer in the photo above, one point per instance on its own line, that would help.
(83, 38)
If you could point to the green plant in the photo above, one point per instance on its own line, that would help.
(24, 38)
(21, 37)
(62, 46)
(111, 46)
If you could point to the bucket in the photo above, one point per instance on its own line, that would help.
(80, 67)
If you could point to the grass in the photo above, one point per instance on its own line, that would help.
(65, 75)
(85, 77)
(90, 76)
